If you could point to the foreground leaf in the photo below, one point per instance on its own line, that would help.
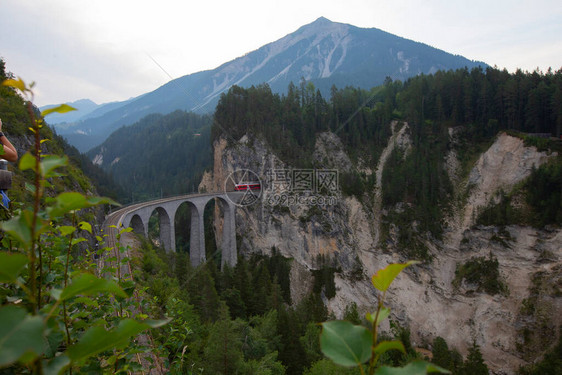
(50, 162)
(11, 265)
(21, 335)
(20, 227)
(383, 278)
(65, 230)
(56, 365)
(414, 368)
(344, 343)
(27, 161)
(84, 225)
(383, 314)
(63, 108)
(128, 287)
(77, 240)
(87, 284)
(71, 201)
(385, 346)
(17, 84)
(97, 339)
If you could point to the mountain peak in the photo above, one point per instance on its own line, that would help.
(324, 52)
(320, 23)
(322, 20)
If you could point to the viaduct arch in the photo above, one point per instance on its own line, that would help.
(137, 217)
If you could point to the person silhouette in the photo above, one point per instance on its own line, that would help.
(10, 154)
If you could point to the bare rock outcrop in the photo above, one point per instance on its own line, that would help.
(504, 164)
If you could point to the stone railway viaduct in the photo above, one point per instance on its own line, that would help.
(136, 216)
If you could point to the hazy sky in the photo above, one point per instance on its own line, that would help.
(108, 50)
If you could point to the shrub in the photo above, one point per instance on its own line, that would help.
(482, 272)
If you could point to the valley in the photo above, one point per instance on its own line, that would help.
(364, 149)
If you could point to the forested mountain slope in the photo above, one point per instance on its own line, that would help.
(323, 52)
(453, 169)
(159, 155)
(81, 175)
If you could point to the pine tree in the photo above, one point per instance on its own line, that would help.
(351, 314)
(261, 284)
(441, 353)
(275, 298)
(223, 353)
(235, 304)
(182, 267)
(474, 364)
(242, 279)
(203, 295)
(291, 352)
(311, 343)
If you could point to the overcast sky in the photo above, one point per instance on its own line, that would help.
(108, 50)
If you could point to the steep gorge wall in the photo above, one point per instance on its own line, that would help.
(424, 298)
(295, 230)
(503, 165)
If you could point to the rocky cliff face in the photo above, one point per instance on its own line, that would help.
(299, 231)
(508, 326)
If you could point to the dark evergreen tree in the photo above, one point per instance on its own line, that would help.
(474, 364)
(545, 193)
(551, 363)
(261, 283)
(236, 305)
(202, 294)
(182, 267)
(441, 354)
(223, 353)
(351, 314)
(276, 296)
(291, 351)
(242, 279)
(280, 268)
(311, 343)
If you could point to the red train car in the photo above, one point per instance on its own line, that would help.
(245, 186)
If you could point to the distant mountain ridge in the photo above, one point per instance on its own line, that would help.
(82, 106)
(324, 52)
(84, 110)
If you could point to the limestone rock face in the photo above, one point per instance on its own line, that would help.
(347, 232)
(503, 165)
(329, 152)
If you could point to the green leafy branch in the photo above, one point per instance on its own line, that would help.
(56, 315)
(352, 345)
